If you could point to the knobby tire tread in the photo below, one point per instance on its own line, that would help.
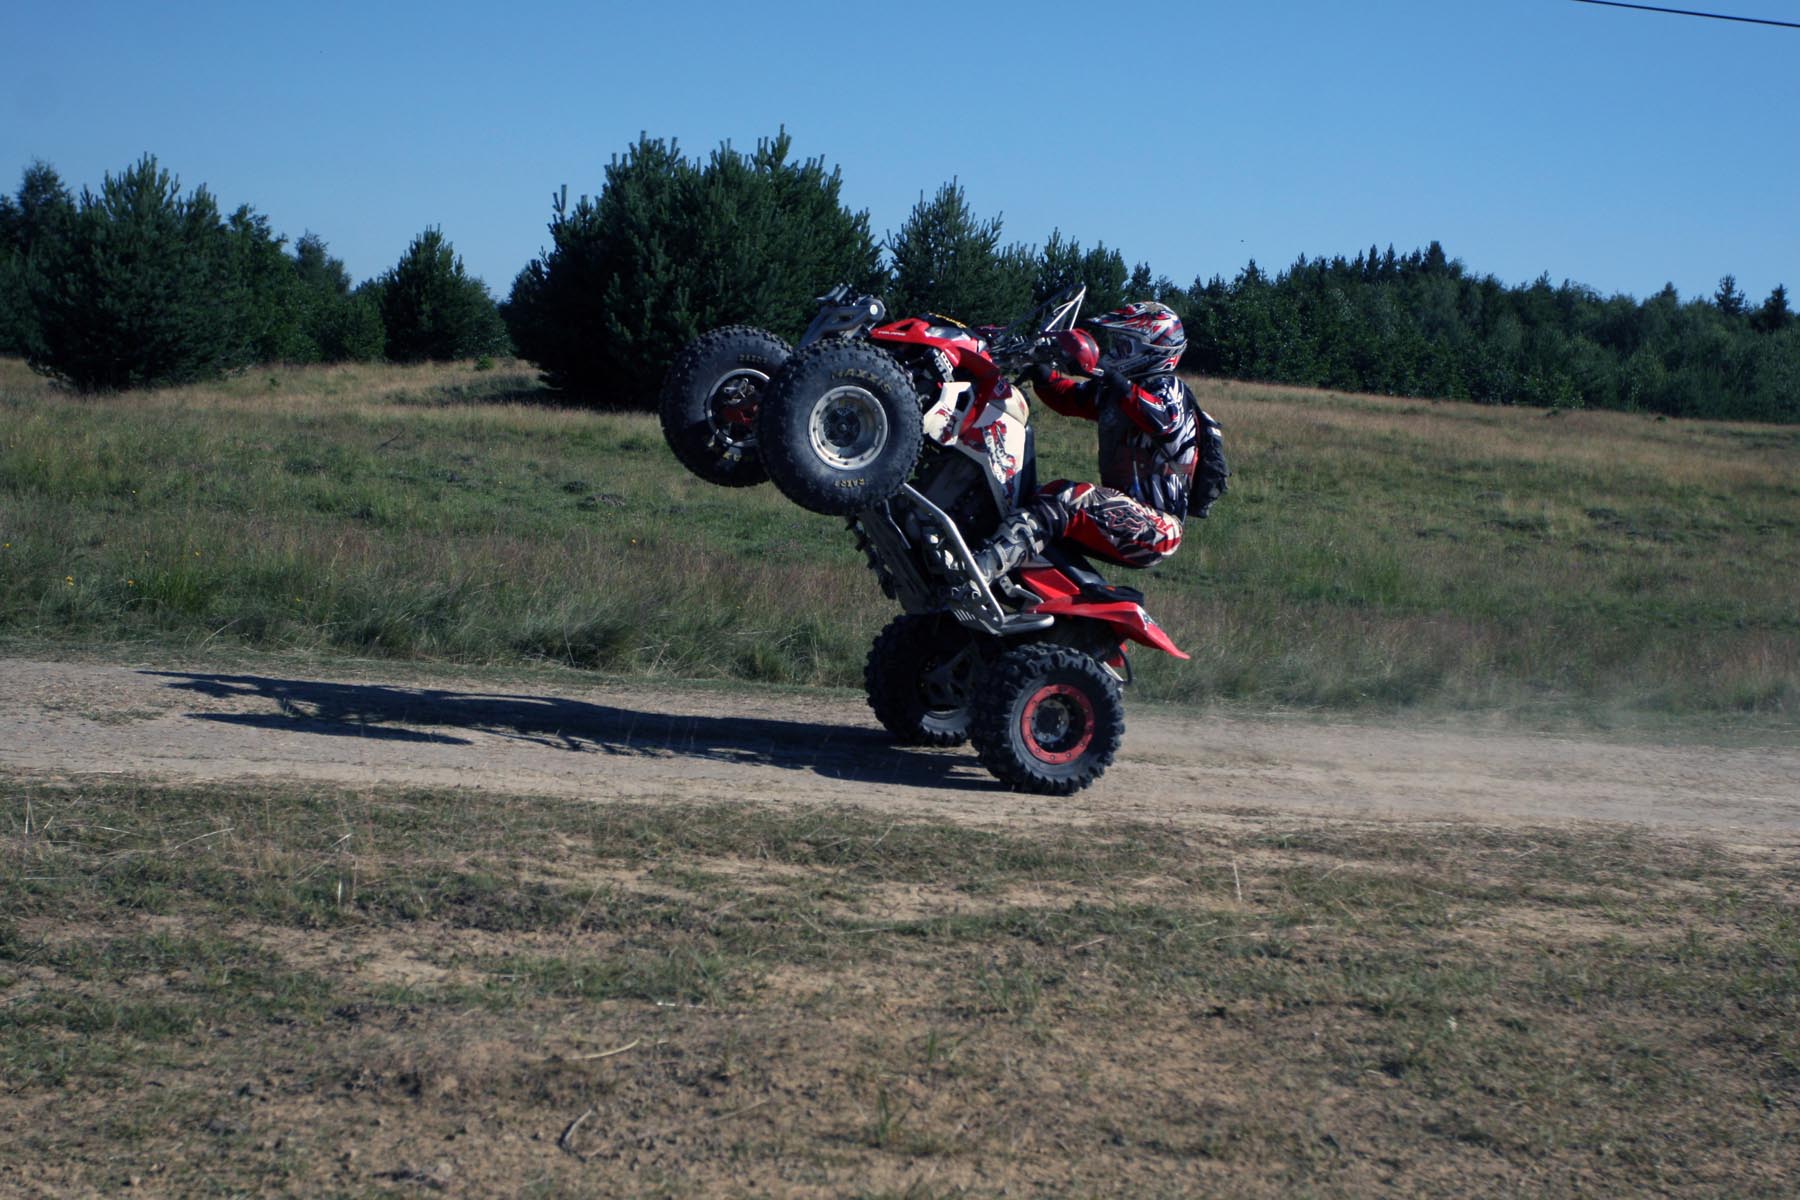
(996, 699)
(891, 686)
(685, 376)
(785, 448)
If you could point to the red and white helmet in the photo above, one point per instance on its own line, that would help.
(1141, 339)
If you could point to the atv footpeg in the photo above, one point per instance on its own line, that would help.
(1006, 626)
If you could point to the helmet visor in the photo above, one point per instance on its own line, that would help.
(1119, 346)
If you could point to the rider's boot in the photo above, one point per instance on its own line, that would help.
(1019, 537)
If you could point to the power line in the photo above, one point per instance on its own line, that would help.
(1688, 12)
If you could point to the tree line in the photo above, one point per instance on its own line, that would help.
(1421, 324)
(139, 285)
(670, 246)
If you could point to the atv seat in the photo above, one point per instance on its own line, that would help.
(1093, 584)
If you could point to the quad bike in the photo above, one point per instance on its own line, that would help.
(913, 431)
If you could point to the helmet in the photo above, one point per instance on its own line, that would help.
(1142, 338)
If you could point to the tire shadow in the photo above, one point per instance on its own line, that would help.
(386, 712)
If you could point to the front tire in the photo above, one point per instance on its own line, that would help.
(918, 676)
(709, 401)
(1048, 719)
(839, 428)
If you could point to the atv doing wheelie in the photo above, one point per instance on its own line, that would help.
(914, 432)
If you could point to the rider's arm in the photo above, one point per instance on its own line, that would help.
(1070, 397)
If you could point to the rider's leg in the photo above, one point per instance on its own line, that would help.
(1109, 524)
(1019, 537)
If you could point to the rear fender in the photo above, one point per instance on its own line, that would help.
(1063, 598)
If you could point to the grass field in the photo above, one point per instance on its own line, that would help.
(228, 991)
(1372, 552)
(362, 991)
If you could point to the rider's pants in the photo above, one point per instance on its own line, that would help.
(1106, 523)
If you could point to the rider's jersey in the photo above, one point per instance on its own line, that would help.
(1154, 440)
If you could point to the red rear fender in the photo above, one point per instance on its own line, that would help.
(1063, 598)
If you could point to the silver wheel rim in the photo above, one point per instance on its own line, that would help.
(732, 388)
(849, 428)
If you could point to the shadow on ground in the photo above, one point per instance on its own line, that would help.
(382, 711)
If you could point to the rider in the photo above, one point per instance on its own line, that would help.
(1162, 458)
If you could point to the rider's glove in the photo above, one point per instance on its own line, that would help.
(1114, 383)
(1038, 374)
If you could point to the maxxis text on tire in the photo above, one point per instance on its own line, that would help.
(1048, 719)
(709, 400)
(839, 427)
(918, 677)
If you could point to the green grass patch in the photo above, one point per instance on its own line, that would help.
(343, 990)
(1372, 553)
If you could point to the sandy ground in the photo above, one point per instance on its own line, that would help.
(626, 743)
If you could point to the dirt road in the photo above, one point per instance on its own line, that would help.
(691, 744)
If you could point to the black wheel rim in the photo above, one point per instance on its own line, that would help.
(944, 684)
(1057, 723)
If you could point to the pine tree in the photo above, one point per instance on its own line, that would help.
(1774, 315)
(1058, 267)
(768, 236)
(32, 224)
(431, 308)
(947, 260)
(671, 248)
(18, 324)
(272, 309)
(144, 289)
(349, 329)
(338, 326)
(316, 269)
(1729, 300)
(1103, 271)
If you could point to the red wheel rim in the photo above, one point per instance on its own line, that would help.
(1058, 723)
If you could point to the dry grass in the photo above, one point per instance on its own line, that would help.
(367, 992)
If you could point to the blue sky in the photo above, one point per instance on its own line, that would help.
(1619, 149)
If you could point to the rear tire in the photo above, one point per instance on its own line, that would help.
(709, 401)
(1048, 719)
(839, 428)
(918, 676)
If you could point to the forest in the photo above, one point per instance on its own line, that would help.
(138, 284)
